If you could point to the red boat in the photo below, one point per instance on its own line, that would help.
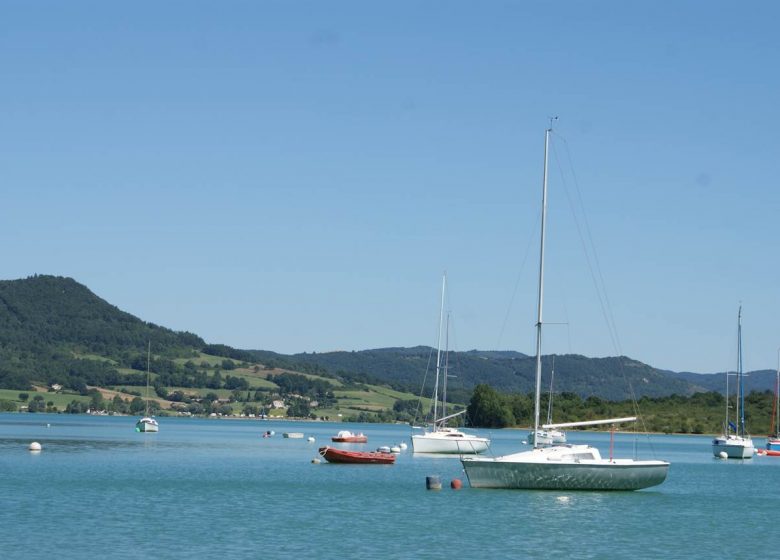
(768, 452)
(348, 437)
(334, 455)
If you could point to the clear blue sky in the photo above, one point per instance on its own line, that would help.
(296, 176)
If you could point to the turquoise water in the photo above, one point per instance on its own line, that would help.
(216, 488)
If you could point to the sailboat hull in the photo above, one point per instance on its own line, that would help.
(561, 469)
(447, 442)
(734, 447)
(147, 425)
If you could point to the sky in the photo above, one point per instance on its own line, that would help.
(298, 176)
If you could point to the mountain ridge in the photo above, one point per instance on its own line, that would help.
(48, 324)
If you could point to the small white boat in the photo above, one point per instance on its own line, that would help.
(147, 424)
(737, 445)
(547, 437)
(292, 435)
(442, 438)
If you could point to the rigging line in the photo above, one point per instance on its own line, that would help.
(531, 239)
(418, 410)
(610, 327)
(588, 231)
(599, 283)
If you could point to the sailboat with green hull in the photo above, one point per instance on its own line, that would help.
(562, 466)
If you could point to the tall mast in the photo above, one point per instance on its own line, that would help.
(438, 355)
(541, 292)
(148, 373)
(550, 398)
(446, 369)
(741, 387)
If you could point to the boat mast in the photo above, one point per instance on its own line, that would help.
(741, 387)
(550, 398)
(537, 396)
(148, 373)
(438, 355)
(446, 371)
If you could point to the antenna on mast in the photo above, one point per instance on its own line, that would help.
(552, 120)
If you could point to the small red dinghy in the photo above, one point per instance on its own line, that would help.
(334, 455)
(345, 436)
(768, 452)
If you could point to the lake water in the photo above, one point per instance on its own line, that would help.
(215, 488)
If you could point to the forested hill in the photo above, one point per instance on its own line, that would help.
(607, 378)
(55, 330)
(47, 322)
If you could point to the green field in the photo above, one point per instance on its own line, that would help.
(60, 400)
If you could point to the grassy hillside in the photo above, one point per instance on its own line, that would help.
(56, 332)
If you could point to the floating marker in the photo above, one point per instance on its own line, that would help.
(456, 484)
(35, 446)
(433, 483)
(723, 455)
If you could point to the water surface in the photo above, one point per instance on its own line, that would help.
(202, 488)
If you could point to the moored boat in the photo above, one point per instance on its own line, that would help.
(560, 467)
(147, 424)
(773, 439)
(736, 445)
(345, 436)
(335, 455)
(293, 435)
(442, 438)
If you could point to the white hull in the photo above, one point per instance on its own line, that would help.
(147, 425)
(293, 435)
(547, 437)
(449, 441)
(571, 467)
(735, 447)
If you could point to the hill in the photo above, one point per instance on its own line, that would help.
(405, 369)
(54, 330)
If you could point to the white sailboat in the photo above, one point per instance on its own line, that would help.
(442, 438)
(737, 444)
(552, 435)
(773, 439)
(147, 423)
(560, 467)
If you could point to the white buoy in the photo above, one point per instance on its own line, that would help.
(402, 445)
(35, 446)
(723, 455)
(316, 461)
(311, 439)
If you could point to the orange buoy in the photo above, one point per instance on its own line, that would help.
(456, 484)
